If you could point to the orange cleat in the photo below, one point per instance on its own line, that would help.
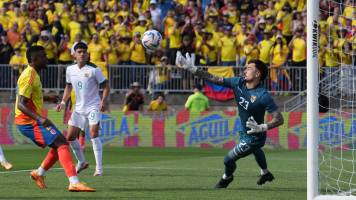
(38, 179)
(6, 165)
(80, 187)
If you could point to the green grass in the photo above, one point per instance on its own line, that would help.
(169, 173)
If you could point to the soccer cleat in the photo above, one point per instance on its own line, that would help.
(223, 183)
(98, 173)
(80, 187)
(264, 178)
(38, 179)
(81, 166)
(6, 165)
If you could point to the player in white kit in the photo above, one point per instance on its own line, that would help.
(86, 80)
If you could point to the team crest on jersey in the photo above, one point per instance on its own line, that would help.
(253, 99)
(86, 75)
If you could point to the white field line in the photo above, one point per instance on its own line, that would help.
(159, 168)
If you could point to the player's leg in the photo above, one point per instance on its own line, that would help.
(81, 140)
(76, 124)
(97, 149)
(66, 161)
(242, 149)
(52, 137)
(4, 163)
(94, 125)
(262, 163)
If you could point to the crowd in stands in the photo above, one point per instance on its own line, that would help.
(214, 32)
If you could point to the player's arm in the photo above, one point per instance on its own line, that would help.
(21, 105)
(186, 63)
(106, 90)
(65, 98)
(277, 120)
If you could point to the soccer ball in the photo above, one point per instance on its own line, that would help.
(151, 40)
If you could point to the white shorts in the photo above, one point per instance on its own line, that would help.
(81, 120)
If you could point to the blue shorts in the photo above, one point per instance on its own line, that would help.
(40, 135)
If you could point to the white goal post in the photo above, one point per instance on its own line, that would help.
(313, 130)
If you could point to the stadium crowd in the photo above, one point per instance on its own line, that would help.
(214, 32)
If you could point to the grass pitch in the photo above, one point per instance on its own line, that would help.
(168, 173)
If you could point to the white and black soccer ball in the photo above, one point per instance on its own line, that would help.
(151, 40)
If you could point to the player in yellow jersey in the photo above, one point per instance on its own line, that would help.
(40, 130)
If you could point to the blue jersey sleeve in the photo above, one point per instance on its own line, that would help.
(231, 82)
(269, 103)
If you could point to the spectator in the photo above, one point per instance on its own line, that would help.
(298, 49)
(279, 55)
(113, 52)
(207, 49)
(13, 36)
(228, 48)
(96, 50)
(284, 19)
(6, 50)
(124, 49)
(22, 44)
(137, 56)
(160, 76)
(64, 50)
(175, 39)
(197, 102)
(134, 99)
(264, 48)
(250, 49)
(159, 104)
(18, 62)
(46, 41)
(156, 15)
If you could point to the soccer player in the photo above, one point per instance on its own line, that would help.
(3, 162)
(252, 100)
(40, 130)
(86, 80)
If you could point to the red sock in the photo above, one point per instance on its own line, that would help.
(50, 160)
(82, 141)
(65, 158)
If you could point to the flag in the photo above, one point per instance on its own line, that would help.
(218, 92)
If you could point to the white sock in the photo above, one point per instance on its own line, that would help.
(264, 171)
(41, 171)
(73, 180)
(98, 153)
(2, 157)
(77, 151)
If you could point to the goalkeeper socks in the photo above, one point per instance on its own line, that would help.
(98, 153)
(2, 156)
(77, 151)
(65, 158)
(260, 158)
(48, 162)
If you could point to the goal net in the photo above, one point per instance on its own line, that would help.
(336, 141)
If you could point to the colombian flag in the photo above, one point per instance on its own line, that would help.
(217, 92)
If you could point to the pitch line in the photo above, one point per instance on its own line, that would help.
(157, 168)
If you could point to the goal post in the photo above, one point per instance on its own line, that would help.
(331, 150)
(312, 98)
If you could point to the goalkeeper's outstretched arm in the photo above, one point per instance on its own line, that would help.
(187, 63)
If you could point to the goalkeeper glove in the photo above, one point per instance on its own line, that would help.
(254, 127)
(185, 62)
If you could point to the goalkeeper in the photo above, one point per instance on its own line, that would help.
(252, 100)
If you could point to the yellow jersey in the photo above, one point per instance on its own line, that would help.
(279, 55)
(156, 106)
(228, 46)
(137, 53)
(265, 47)
(299, 50)
(96, 51)
(29, 85)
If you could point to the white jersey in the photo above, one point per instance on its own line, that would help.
(85, 83)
